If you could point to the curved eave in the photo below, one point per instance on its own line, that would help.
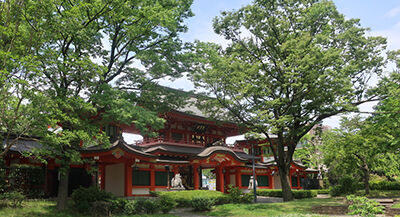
(118, 144)
(219, 150)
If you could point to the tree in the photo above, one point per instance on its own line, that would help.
(20, 101)
(310, 151)
(289, 65)
(353, 149)
(99, 61)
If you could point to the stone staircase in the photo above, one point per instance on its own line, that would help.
(387, 203)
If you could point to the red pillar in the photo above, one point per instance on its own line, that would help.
(196, 177)
(102, 168)
(220, 179)
(227, 177)
(238, 178)
(128, 179)
(152, 178)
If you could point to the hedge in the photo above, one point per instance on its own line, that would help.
(298, 194)
(184, 198)
(384, 185)
(321, 191)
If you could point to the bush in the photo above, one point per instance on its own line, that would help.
(12, 199)
(235, 194)
(166, 204)
(130, 208)
(84, 197)
(118, 205)
(139, 205)
(150, 206)
(298, 194)
(202, 203)
(101, 208)
(384, 185)
(321, 191)
(363, 206)
(247, 198)
(347, 185)
(184, 198)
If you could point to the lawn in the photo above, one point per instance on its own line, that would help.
(294, 208)
(45, 208)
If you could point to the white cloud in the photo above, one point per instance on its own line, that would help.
(394, 12)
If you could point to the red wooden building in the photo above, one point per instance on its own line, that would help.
(188, 144)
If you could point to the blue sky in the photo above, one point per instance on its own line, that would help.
(381, 16)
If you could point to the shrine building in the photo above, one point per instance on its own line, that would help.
(188, 144)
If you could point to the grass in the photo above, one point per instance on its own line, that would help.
(397, 205)
(294, 208)
(46, 208)
(380, 193)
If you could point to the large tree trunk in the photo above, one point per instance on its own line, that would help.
(63, 188)
(286, 189)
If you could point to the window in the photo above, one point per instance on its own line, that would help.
(196, 139)
(140, 177)
(177, 136)
(161, 178)
(245, 180)
(263, 181)
(111, 131)
(294, 181)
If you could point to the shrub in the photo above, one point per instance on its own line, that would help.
(298, 194)
(150, 206)
(202, 203)
(247, 198)
(118, 205)
(139, 205)
(84, 197)
(321, 191)
(347, 185)
(130, 208)
(101, 208)
(363, 206)
(12, 199)
(166, 204)
(235, 194)
(184, 198)
(384, 185)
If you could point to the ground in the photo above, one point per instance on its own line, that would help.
(45, 208)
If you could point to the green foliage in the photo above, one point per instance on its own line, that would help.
(118, 205)
(26, 179)
(12, 199)
(247, 198)
(100, 209)
(130, 208)
(347, 185)
(166, 204)
(150, 206)
(298, 194)
(83, 198)
(49, 52)
(384, 185)
(234, 194)
(363, 206)
(321, 191)
(184, 198)
(270, 77)
(202, 203)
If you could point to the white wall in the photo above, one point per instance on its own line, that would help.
(115, 179)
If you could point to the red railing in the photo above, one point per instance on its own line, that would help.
(157, 140)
